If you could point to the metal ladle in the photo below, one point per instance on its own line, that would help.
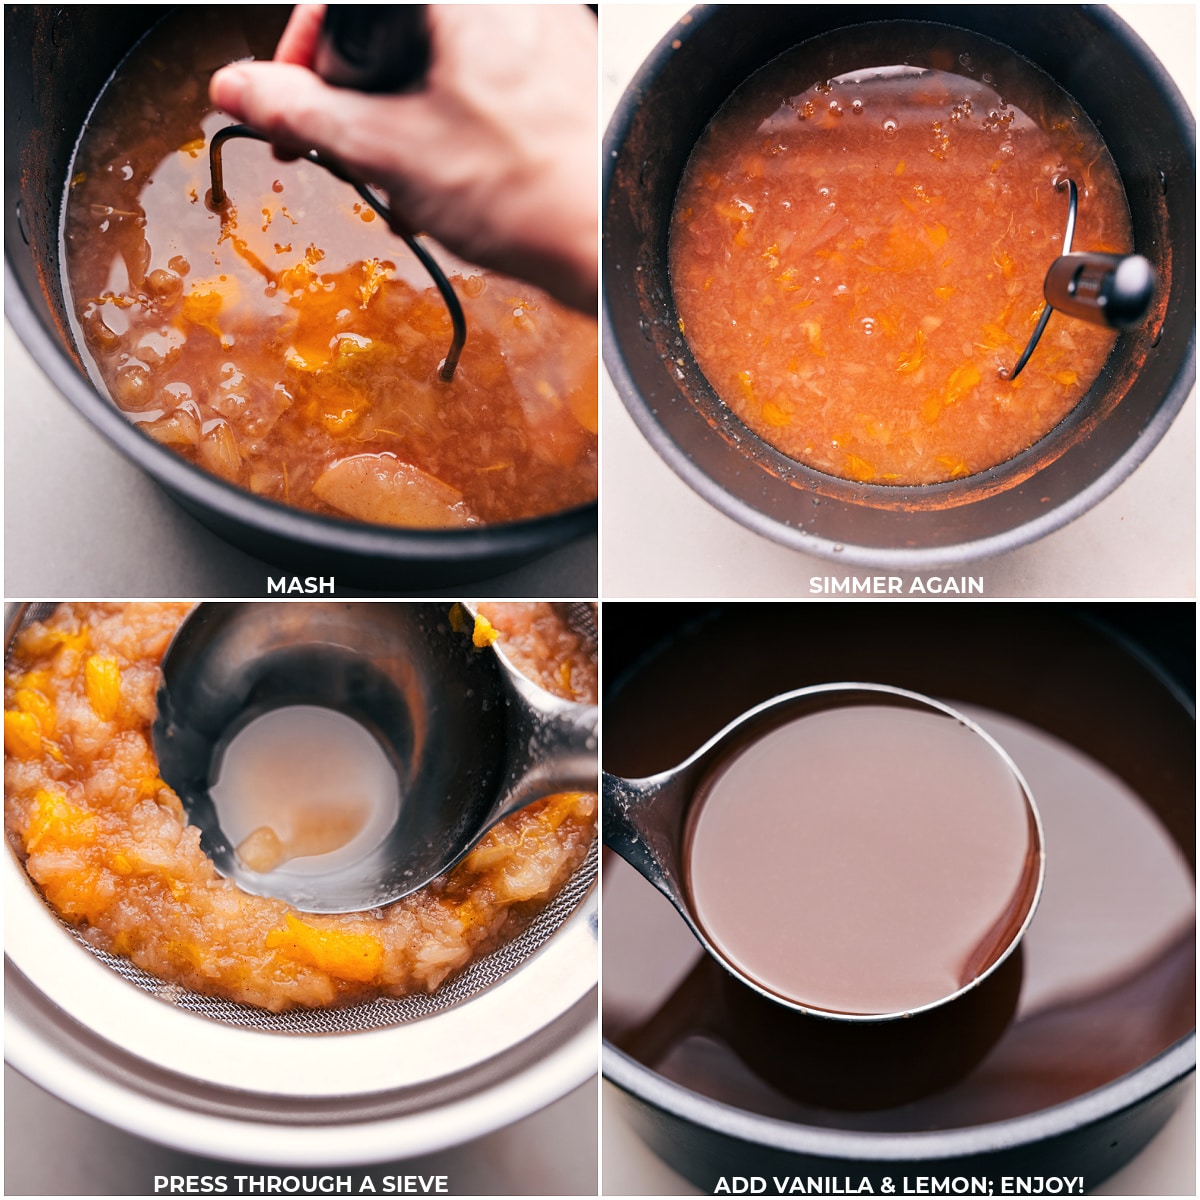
(469, 739)
(646, 821)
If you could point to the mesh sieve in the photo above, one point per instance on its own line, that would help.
(582, 617)
(382, 1012)
(374, 1014)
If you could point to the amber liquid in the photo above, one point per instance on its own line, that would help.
(863, 860)
(859, 243)
(306, 786)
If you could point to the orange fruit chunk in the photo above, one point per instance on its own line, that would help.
(56, 823)
(22, 736)
(356, 956)
(102, 682)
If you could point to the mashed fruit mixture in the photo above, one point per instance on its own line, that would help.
(108, 843)
(857, 256)
(290, 344)
(543, 645)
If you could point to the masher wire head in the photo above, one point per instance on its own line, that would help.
(219, 196)
(1103, 289)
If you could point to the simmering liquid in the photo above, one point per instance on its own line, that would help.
(864, 860)
(308, 784)
(857, 254)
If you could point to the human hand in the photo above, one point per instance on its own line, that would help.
(496, 156)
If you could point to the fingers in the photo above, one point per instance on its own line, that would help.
(289, 104)
(298, 44)
(494, 160)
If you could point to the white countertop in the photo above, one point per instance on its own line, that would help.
(51, 1149)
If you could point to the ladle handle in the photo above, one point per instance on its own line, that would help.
(643, 823)
(1105, 289)
(552, 748)
(373, 47)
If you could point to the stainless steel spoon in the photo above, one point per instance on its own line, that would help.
(646, 821)
(470, 739)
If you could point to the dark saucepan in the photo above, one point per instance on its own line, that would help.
(1114, 681)
(1151, 133)
(57, 59)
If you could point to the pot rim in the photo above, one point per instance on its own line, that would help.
(793, 535)
(315, 531)
(1165, 1069)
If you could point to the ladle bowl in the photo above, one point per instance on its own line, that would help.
(648, 821)
(468, 738)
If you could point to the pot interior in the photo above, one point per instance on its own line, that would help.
(1150, 133)
(1107, 744)
(57, 61)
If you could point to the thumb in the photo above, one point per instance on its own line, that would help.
(288, 103)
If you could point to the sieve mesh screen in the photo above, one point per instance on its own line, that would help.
(374, 1014)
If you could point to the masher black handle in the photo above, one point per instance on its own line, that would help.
(373, 47)
(1105, 289)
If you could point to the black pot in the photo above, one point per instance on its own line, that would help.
(1151, 133)
(57, 59)
(1116, 681)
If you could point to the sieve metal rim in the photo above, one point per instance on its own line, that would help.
(88, 1035)
(333, 1064)
(262, 1130)
(308, 1099)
